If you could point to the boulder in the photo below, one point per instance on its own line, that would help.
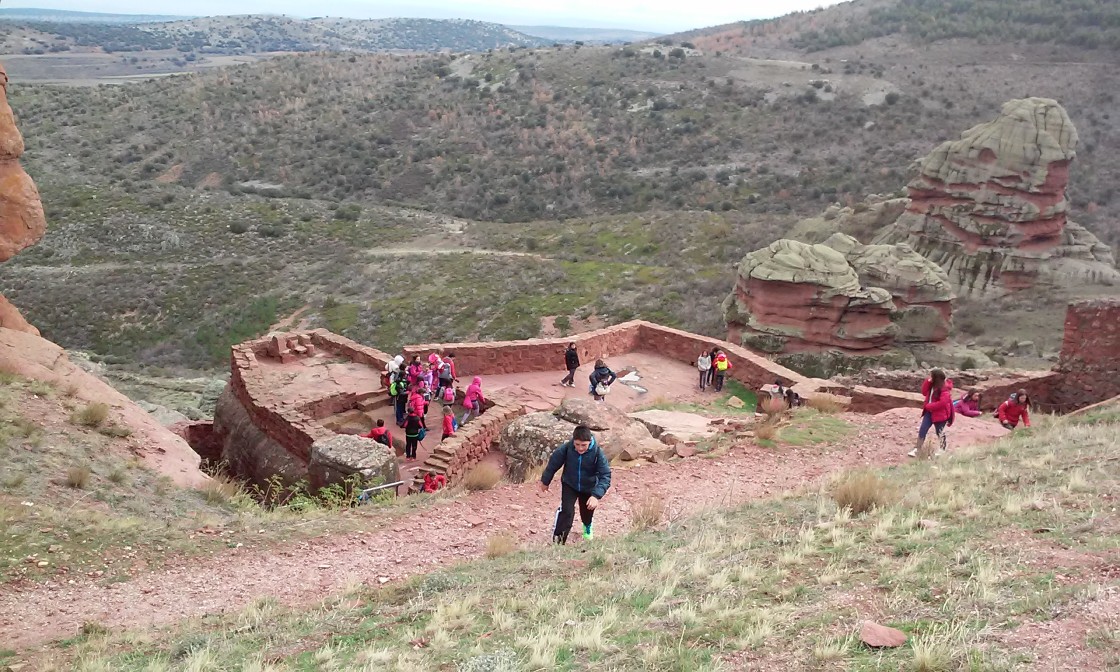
(334, 459)
(596, 415)
(990, 208)
(530, 439)
(632, 437)
(880, 636)
(791, 296)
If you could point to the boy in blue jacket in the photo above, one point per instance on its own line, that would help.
(587, 476)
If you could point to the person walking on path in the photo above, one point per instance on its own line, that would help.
(473, 400)
(1016, 408)
(704, 365)
(601, 380)
(586, 479)
(448, 423)
(937, 411)
(571, 362)
(721, 365)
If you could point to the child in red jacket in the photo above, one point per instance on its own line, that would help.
(937, 411)
(1016, 408)
(448, 423)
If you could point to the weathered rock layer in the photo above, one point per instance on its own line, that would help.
(22, 222)
(991, 209)
(790, 297)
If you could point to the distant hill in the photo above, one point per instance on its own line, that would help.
(595, 35)
(62, 15)
(261, 33)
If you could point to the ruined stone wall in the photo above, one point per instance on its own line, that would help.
(456, 456)
(1089, 364)
(533, 354)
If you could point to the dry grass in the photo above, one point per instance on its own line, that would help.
(772, 406)
(862, 491)
(78, 477)
(483, 477)
(647, 512)
(829, 404)
(115, 431)
(221, 489)
(93, 415)
(767, 430)
(501, 544)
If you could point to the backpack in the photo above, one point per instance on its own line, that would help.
(721, 365)
(423, 432)
(383, 439)
(397, 388)
(449, 394)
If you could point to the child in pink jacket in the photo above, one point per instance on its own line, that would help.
(473, 400)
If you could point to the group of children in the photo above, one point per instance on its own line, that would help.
(939, 409)
(413, 386)
(713, 367)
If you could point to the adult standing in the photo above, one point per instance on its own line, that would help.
(586, 479)
(571, 362)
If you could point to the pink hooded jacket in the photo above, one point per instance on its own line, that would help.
(474, 393)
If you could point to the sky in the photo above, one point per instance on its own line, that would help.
(664, 16)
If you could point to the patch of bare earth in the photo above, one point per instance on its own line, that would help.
(1083, 639)
(452, 530)
(171, 175)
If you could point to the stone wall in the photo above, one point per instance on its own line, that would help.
(456, 456)
(1090, 360)
(533, 354)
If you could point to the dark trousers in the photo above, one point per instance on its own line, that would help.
(567, 512)
(939, 427)
(712, 374)
(569, 379)
(719, 382)
(410, 444)
(399, 405)
(703, 379)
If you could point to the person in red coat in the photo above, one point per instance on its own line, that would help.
(937, 410)
(434, 482)
(1016, 408)
(380, 433)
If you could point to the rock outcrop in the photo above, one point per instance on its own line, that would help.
(791, 297)
(920, 289)
(22, 221)
(991, 209)
(530, 439)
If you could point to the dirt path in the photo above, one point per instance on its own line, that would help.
(449, 532)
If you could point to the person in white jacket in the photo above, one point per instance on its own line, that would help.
(704, 364)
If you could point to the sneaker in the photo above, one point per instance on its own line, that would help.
(587, 534)
(912, 453)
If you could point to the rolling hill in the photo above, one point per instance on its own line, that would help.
(595, 183)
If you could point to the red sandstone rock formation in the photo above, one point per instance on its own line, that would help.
(793, 297)
(991, 208)
(921, 291)
(22, 351)
(22, 222)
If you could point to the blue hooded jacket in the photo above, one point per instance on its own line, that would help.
(589, 474)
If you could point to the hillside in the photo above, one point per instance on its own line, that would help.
(591, 183)
(592, 35)
(998, 557)
(62, 15)
(260, 33)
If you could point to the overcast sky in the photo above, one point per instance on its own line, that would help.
(654, 15)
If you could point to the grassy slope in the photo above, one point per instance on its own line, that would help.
(1022, 532)
(77, 498)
